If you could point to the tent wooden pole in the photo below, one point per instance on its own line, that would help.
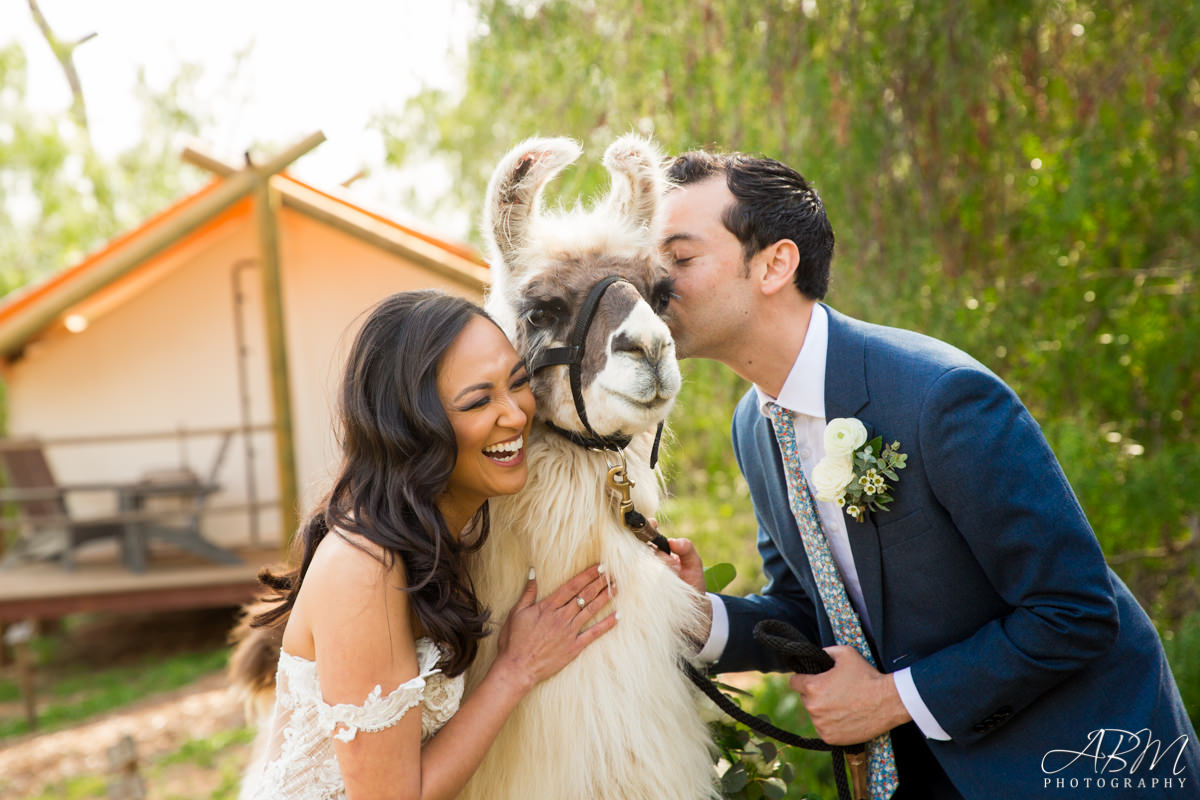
(266, 202)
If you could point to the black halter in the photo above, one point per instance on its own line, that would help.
(572, 357)
(618, 479)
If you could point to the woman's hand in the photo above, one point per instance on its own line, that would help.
(540, 638)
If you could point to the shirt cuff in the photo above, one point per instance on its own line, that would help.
(916, 707)
(718, 634)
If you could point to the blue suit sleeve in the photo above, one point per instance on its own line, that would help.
(782, 598)
(990, 467)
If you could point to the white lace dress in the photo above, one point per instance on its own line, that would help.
(299, 759)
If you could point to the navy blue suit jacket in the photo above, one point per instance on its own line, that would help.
(983, 576)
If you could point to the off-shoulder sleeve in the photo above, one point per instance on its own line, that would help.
(376, 712)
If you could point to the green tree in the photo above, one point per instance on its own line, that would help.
(59, 197)
(1014, 178)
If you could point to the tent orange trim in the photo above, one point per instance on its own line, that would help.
(13, 306)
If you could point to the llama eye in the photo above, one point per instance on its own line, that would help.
(540, 318)
(660, 296)
(546, 313)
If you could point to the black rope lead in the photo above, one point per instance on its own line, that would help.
(799, 655)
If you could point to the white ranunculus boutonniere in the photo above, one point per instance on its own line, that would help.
(854, 472)
(843, 436)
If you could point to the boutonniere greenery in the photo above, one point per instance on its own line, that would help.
(855, 473)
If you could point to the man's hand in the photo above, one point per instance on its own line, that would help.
(852, 702)
(687, 563)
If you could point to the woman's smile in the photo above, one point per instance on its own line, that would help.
(508, 453)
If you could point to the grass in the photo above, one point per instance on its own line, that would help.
(222, 756)
(219, 760)
(207, 753)
(77, 787)
(84, 692)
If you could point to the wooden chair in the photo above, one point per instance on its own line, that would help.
(49, 531)
(46, 525)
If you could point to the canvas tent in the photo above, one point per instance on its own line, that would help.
(225, 316)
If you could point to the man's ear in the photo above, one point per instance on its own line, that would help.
(779, 265)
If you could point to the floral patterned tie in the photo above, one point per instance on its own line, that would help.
(881, 763)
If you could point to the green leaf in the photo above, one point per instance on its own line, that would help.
(876, 445)
(734, 779)
(891, 474)
(787, 772)
(774, 788)
(718, 576)
(768, 750)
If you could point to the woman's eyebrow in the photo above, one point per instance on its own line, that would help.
(477, 386)
(472, 388)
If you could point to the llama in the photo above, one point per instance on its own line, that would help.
(621, 720)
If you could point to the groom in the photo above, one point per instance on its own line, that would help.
(980, 641)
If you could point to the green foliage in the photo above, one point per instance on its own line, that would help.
(718, 576)
(751, 769)
(1017, 179)
(812, 771)
(752, 766)
(59, 198)
(1183, 652)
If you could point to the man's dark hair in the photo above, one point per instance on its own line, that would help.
(771, 202)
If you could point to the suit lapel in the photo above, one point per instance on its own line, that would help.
(846, 395)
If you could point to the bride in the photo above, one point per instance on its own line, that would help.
(381, 618)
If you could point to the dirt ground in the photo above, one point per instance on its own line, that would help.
(35, 764)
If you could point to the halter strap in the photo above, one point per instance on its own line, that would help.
(617, 441)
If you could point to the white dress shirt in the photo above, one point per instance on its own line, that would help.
(803, 394)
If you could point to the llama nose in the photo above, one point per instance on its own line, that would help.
(647, 348)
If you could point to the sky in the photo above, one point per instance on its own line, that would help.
(310, 65)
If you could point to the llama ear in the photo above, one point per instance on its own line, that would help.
(638, 178)
(515, 187)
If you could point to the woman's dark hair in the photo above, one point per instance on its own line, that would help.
(398, 450)
(771, 202)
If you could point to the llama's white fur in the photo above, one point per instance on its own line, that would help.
(621, 720)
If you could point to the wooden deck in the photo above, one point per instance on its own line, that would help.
(101, 583)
